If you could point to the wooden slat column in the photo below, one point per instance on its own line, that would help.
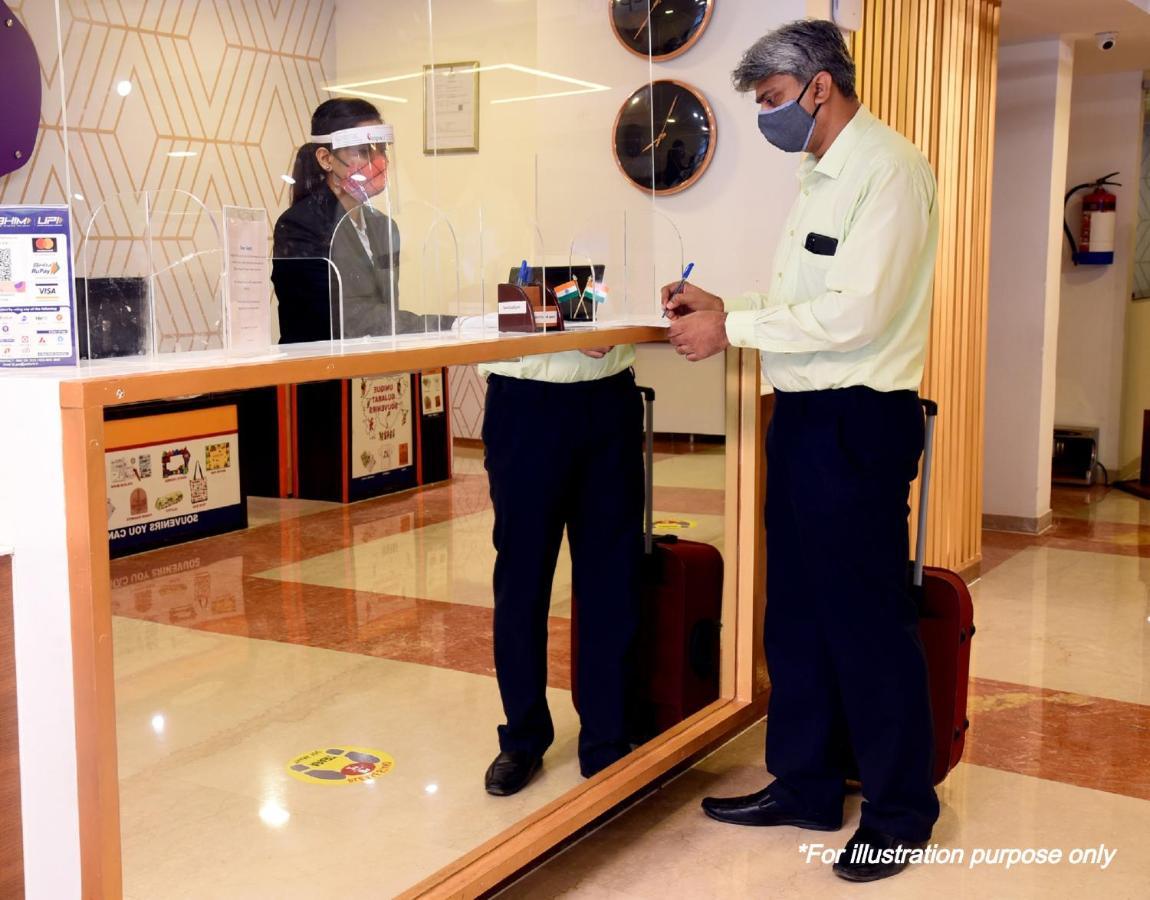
(928, 68)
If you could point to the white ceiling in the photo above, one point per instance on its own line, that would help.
(1080, 20)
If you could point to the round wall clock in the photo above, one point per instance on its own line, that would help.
(664, 137)
(659, 29)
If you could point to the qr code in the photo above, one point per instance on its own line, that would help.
(5, 263)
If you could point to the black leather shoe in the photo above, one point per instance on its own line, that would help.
(764, 809)
(509, 772)
(871, 855)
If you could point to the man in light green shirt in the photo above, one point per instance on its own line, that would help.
(563, 443)
(842, 329)
(568, 367)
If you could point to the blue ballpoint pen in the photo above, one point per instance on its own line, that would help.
(682, 284)
(523, 274)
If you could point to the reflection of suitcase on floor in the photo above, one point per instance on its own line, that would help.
(946, 626)
(676, 660)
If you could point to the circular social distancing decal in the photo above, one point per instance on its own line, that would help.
(340, 765)
(673, 524)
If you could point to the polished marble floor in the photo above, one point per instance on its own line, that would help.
(1058, 753)
(369, 626)
(325, 627)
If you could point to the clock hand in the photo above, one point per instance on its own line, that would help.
(647, 21)
(663, 133)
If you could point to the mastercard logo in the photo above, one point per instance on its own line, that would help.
(44, 245)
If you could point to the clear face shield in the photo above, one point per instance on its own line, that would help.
(360, 158)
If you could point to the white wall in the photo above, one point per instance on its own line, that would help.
(1033, 117)
(32, 522)
(1105, 136)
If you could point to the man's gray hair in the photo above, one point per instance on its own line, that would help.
(801, 49)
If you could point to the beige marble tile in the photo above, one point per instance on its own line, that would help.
(666, 847)
(1066, 620)
(704, 469)
(269, 510)
(450, 561)
(1115, 506)
(185, 842)
(468, 461)
(208, 723)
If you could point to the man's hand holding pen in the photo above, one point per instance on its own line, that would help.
(698, 322)
(688, 300)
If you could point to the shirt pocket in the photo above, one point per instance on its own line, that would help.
(813, 271)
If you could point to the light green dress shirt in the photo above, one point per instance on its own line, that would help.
(564, 368)
(862, 315)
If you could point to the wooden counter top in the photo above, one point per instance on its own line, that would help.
(117, 382)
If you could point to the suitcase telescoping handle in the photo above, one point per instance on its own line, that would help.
(931, 409)
(649, 469)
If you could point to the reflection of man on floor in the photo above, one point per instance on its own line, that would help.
(563, 442)
(842, 333)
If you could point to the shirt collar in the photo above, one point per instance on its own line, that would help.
(837, 154)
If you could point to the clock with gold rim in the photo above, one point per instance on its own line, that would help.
(664, 137)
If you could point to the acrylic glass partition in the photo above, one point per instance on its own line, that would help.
(359, 630)
(149, 276)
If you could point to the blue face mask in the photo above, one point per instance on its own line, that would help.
(790, 126)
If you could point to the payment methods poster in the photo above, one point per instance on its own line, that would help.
(37, 311)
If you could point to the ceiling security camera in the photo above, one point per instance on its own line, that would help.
(1106, 39)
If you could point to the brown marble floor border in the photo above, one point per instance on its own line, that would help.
(1090, 742)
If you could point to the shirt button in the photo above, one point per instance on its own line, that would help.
(780, 275)
(792, 232)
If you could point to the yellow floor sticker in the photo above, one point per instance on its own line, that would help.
(340, 765)
(673, 524)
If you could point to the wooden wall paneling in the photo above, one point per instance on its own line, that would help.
(927, 68)
(959, 285)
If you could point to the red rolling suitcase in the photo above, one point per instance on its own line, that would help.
(946, 626)
(676, 656)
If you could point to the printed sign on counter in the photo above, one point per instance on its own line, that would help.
(248, 283)
(37, 310)
(172, 477)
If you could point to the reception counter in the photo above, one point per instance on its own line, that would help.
(54, 508)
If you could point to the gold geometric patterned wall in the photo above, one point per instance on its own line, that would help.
(232, 82)
(929, 69)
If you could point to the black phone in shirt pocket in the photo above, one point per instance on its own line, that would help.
(820, 244)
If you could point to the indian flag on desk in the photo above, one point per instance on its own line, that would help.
(565, 293)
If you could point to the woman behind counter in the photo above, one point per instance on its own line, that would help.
(336, 173)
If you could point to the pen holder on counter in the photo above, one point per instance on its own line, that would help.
(528, 309)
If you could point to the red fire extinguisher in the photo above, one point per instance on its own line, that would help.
(1095, 246)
